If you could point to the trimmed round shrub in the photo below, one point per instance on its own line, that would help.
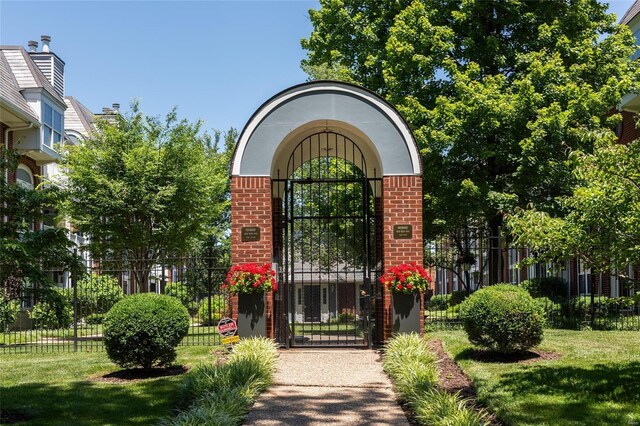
(97, 294)
(54, 310)
(504, 318)
(143, 330)
(218, 310)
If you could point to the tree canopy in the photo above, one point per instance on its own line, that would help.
(497, 93)
(601, 224)
(140, 185)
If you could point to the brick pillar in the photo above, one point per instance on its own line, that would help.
(402, 205)
(251, 206)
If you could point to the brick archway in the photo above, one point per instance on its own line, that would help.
(387, 146)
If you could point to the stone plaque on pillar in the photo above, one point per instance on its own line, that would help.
(250, 233)
(402, 232)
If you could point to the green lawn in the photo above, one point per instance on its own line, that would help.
(55, 389)
(595, 382)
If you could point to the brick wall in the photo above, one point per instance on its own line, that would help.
(402, 205)
(629, 130)
(251, 205)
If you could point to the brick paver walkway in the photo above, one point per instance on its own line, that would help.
(328, 386)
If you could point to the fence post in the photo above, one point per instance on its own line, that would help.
(593, 300)
(74, 282)
(162, 280)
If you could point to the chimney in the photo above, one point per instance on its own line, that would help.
(115, 108)
(45, 43)
(106, 110)
(49, 63)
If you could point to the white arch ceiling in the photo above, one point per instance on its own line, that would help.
(367, 118)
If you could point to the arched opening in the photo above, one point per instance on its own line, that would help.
(326, 186)
(324, 240)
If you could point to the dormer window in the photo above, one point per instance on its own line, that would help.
(52, 125)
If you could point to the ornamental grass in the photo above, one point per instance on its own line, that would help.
(221, 395)
(412, 367)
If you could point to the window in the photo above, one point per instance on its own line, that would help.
(584, 280)
(324, 296)
(52, 126)
(24, 177)
(299, 296)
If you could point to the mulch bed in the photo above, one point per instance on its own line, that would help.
(526, 357)
(137, 374)
(452, 379)
(9, 417)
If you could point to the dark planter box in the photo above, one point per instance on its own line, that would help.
(405, 312)
(252, 320)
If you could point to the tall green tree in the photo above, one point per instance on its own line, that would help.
(601, 220)
(498, 94)
(140, 185)
(28, 252)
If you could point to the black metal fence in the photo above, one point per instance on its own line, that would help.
(572, 295)
(69, 316)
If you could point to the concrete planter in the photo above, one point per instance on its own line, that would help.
(252, 320)
(405, 312)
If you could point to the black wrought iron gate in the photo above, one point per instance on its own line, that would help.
(326, 257)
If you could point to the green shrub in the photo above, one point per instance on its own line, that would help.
(503, 317)
(551, 287)
(221, 394)
(54, 310)
(97, 294)
(143, 330)
(439, 302)
(457, 297)
(346, 317)
(218, 310)
(8, 313)
(94, 319)
(184, 294)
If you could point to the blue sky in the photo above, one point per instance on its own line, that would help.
(214, 60)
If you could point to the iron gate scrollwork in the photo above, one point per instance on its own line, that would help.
(325, 244)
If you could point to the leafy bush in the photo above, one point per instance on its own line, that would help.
(8, 313)
(54, 310)
(94, 319)
(184, 294)
(551, 287)
(412, 366)
(457, 297)
(503, 317)
(346, 317)
(221, 394)
(97, 294)
(218, 310)
(440, 302)
(143, 330)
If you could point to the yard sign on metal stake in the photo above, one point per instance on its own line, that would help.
(227, 328)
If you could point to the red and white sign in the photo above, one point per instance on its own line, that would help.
(227, 327)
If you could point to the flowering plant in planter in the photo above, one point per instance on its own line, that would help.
(251, 278)
(406, 278)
